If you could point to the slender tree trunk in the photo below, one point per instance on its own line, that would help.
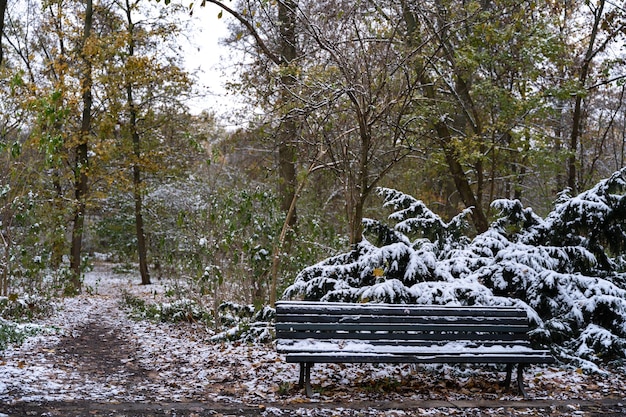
(5, 237)
(461, 181)
(3, 8)
(81, 163)
(142, 249)
(289, 130)
(578, 104)
(360, 186)
(141, 236)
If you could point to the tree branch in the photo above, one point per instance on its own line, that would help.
(241, 18)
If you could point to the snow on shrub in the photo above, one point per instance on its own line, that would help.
(566, 270)
(245, 323)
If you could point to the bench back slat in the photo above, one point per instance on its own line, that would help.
(424, 319)
(316, 308)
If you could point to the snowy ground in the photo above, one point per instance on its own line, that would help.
(99, 355)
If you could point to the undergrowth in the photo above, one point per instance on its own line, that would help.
(12, 333)
(15, 312)
(181, 310)
(241, 322)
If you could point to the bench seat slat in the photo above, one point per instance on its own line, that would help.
(535, 357)
(306, 346)
(412, 327)
(295, 345)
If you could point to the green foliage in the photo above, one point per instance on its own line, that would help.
(233, 321)
(212, 234)
(245, 323)
(114, 230)
(15, 334)
(31, 260)
(14, 312)
(175, 311)
(25, 308)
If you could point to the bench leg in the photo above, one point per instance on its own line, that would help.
(520, 380)
(301, 380)
(509, 370)
(305, 378)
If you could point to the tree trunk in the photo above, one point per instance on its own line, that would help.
(578, 104)
(3, 8)
(141, 236)
(359, 186)
(142, 249)
(81, 162)
(286, 148)
(5, 237)
(461, 181)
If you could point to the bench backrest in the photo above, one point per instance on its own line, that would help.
(407, 324)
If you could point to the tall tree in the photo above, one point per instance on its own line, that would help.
(606, 23)
(142, 249)
(287, 140)
(144, 110)
(81, 151)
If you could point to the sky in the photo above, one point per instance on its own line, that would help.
(205, 55)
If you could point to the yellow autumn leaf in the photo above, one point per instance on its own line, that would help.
(378, 272)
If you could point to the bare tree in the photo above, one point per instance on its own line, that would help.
(361, 98)
(606, 23)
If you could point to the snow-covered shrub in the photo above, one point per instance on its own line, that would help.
(404, 266)
(244, 323)
(567, 270)
(180, 310)
(16, 312)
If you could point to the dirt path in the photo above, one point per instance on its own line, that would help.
(102, 353)
(604, 408)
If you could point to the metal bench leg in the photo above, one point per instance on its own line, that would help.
(301, 380)
(307, 379)
(509, 370)
(520, 380)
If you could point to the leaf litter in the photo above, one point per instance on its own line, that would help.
(94, 352)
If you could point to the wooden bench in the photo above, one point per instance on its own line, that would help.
(316, 332)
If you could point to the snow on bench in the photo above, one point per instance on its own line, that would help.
(316, 332)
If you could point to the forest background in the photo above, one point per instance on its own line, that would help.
(457, 103)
